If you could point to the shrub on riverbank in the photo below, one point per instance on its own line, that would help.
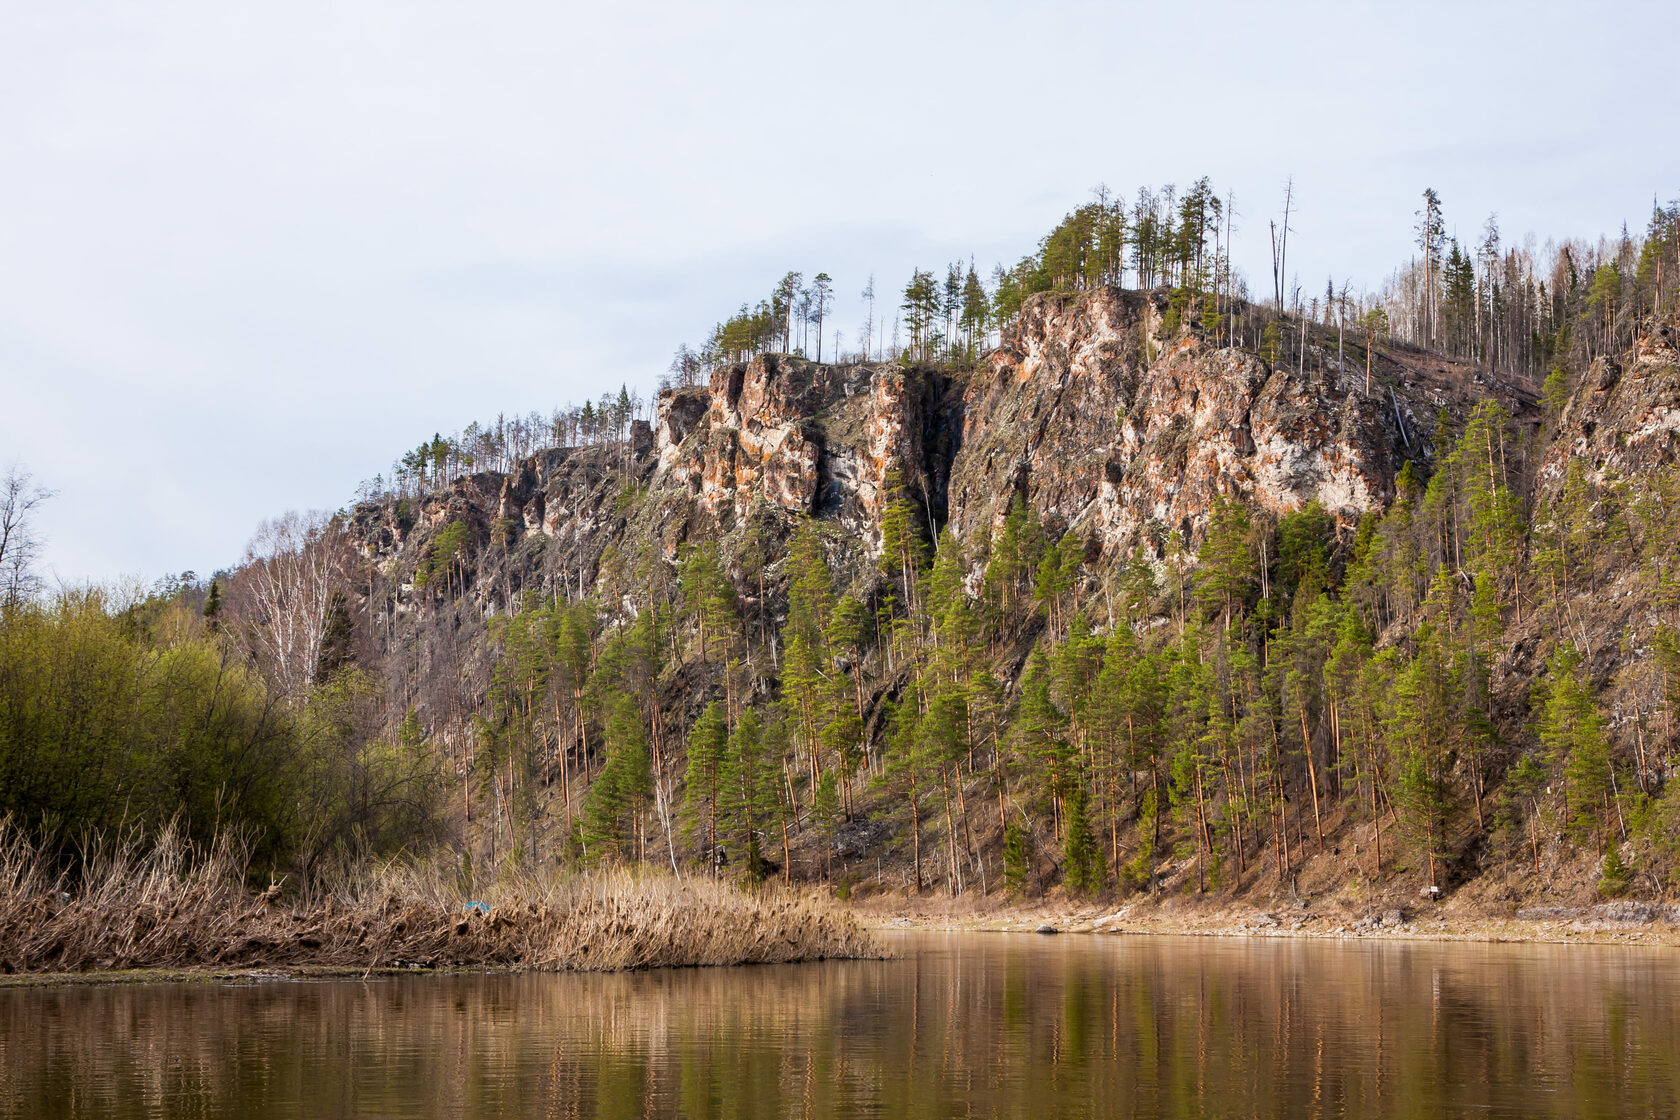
(127, 712)
(171, 905)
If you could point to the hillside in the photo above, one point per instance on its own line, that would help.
(1115, 608)
(1090, 592)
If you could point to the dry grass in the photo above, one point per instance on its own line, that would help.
(168, 906)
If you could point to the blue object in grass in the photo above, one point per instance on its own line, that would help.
(478, 907)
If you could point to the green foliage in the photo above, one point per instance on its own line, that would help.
(1085, 871)
(703, 780)
(1613, 874)
(708, 598)
(107, 723)
(615, 807)
(750, 799)
(1228, 571)
(1138, 873)
(1303, 547)
(1057, 575)
(1572, 733)
(1015, 556)
(1554, 394)
(1202, 705)
(445, 561)
(1017, 857)
(903, 539)
(826, 814)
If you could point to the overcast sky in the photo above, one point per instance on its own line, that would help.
(250, 253)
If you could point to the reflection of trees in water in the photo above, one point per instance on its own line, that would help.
(1111, 1026)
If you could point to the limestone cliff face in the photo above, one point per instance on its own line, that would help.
(799, 438)
(1087, 412)
(1107, 428)
(1621, 419)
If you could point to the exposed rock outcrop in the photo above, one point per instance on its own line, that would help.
(1087, 412)
(1621, 420)
(1106, 428)
(801, 438)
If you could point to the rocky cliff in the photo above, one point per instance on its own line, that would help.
(1558, 529)
(1620, 419)
(1087, 413)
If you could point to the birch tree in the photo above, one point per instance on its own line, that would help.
(283, 594)
(19, 546)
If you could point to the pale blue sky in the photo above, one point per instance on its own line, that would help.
(249, 253)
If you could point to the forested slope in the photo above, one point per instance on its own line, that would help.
(1118, 606)
(1096, 590)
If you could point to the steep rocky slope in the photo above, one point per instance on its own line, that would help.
(1087, 414)
(1621, 419)
(1107, 428)
(1104, 425)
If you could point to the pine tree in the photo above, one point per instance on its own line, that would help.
(822, 298)
(1040, 733)
(703, 779)
(903, 543)
(1418, 733)
(748, 778)
(1139, 585)
(213, 606)
(1086, 872)
(902, 776)
(1227, 565)
(613, 811)
(1572, 732)
(708, 598)
(826, 816)
(975, 309)
(1017, 856)
(1057, 574)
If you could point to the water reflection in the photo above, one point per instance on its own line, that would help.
(971, 1025)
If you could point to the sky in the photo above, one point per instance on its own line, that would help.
(251, 253)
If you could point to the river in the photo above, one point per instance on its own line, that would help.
(958, 1025)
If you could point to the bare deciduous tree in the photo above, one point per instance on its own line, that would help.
(282, 596)
(19, 546)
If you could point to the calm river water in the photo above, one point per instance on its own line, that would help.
(961, 1025)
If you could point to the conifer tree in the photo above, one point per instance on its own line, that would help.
(703, 781)
(708, 598)
(902, 776)
(903, 544)
(748, 778)
(1227, 565)
(614, 810)
(826, 816)
(1017, 856)
(213, 605)
(1085, 873)
(1572, 732)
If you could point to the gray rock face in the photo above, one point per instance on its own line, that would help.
(1107, 428)
(1086, 412)
(1620, 420)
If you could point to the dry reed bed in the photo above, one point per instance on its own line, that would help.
(169, 907)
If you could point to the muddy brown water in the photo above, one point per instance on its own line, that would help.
(972, 1024)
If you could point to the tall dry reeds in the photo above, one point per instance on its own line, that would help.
(168, 905)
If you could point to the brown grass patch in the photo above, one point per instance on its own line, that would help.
(169, 906)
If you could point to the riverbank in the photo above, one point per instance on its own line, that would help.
(220, 976)
(1615, 923)
(166, 910)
